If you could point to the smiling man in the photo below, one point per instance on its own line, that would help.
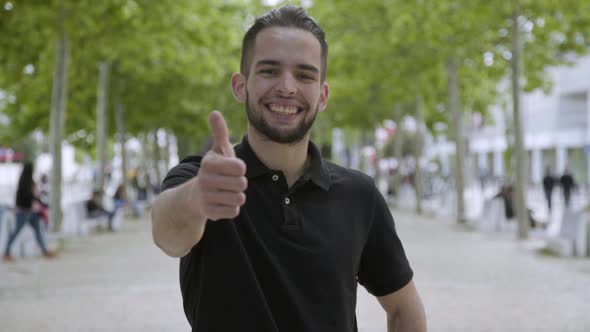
(271, 236)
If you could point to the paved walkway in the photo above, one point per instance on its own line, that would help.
(468, 281)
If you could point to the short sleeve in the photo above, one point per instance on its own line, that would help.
(384, 267)
(190, 264)
(179, 174)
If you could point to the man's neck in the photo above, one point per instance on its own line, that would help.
(291, 159)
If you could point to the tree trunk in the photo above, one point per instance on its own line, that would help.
(457, 123)
(398, 149)
(519, 153)
(352, 148)
(57, 121)
(379, 153)
(145, 158)
(121, 132)
(101, 122)
(168, 150)
(183, 144)
(156, 158)
(418, 152)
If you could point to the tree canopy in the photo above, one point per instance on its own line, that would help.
(172, 61)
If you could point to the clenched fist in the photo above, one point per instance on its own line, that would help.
(221, 181)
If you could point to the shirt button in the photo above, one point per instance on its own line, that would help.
(275, 177)
(287, 200)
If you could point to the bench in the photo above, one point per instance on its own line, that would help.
(574, 235)
(76, 220)
(493, 217)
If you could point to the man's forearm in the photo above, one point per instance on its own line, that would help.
(407, 326)
(407, 320)
(176, 225)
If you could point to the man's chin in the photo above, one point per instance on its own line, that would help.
(284, 138)
(289, 135)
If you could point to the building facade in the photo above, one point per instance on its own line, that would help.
(556, 128)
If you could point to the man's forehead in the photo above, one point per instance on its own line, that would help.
(275, 40)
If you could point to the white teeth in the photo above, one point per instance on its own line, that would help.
(283, 109)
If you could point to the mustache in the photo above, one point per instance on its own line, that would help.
(303, 103)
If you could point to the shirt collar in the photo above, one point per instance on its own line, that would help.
(317, 172)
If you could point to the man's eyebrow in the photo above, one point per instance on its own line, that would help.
(302, 66)
(267, 62)
(308, 68)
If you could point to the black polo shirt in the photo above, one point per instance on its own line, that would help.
(292, 259)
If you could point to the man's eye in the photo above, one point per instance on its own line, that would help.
(306, 77)
(268, 71)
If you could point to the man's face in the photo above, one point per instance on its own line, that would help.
(283, 91)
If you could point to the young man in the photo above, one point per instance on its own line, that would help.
(272, 237)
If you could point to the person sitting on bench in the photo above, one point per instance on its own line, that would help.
(506, 193)
(94, 209)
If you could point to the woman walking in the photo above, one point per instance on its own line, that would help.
(28, 208)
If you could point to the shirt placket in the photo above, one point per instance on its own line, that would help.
(292, 220)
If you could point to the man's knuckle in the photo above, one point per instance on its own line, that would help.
(207, 202)
(233, 167)
(243, 183)
(242, 166)
(206, 163)
(204, 180)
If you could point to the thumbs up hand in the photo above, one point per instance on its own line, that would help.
(221, 144)
(221, 181)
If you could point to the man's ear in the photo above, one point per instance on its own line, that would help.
(238, 87)
(324, 94)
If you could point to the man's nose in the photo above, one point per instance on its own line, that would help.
(287, 84)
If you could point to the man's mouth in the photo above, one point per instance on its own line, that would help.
(284, 109)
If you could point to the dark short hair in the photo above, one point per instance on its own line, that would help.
(288, 16)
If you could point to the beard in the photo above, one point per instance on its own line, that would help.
(283, 136)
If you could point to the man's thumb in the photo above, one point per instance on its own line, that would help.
(220, 134)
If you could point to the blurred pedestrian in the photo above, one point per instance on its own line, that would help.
(506, 193)
(568, 184)
(95, 209)
(120, 197)
(44, 198)
(44, 187)
(28, 208)
(121, 200)
(548, 184)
